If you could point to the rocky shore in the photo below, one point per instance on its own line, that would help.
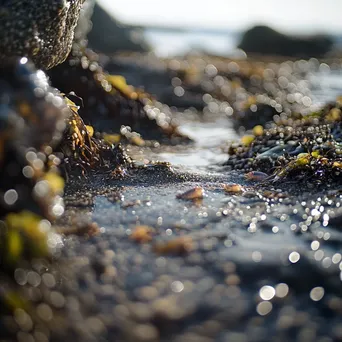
(101, 240)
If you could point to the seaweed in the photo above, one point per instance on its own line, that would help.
(83, 153)
(109, 104)
(250, 91)
(296, 147)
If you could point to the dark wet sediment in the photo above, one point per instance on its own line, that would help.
(249, 266)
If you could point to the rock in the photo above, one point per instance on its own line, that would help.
(265, 40)
(108, 102)
(108, 35)
(248, 118)
(32, 121)
(42, 30)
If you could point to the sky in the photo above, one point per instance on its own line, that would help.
(306, 16)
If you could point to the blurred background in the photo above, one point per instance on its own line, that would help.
(217, 26)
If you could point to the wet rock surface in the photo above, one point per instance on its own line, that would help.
(40, 30)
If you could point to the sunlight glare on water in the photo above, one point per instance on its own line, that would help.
(208, 137)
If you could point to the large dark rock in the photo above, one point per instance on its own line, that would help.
(108, 35)
(32, 121)
(265, 40)
(42, 30)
